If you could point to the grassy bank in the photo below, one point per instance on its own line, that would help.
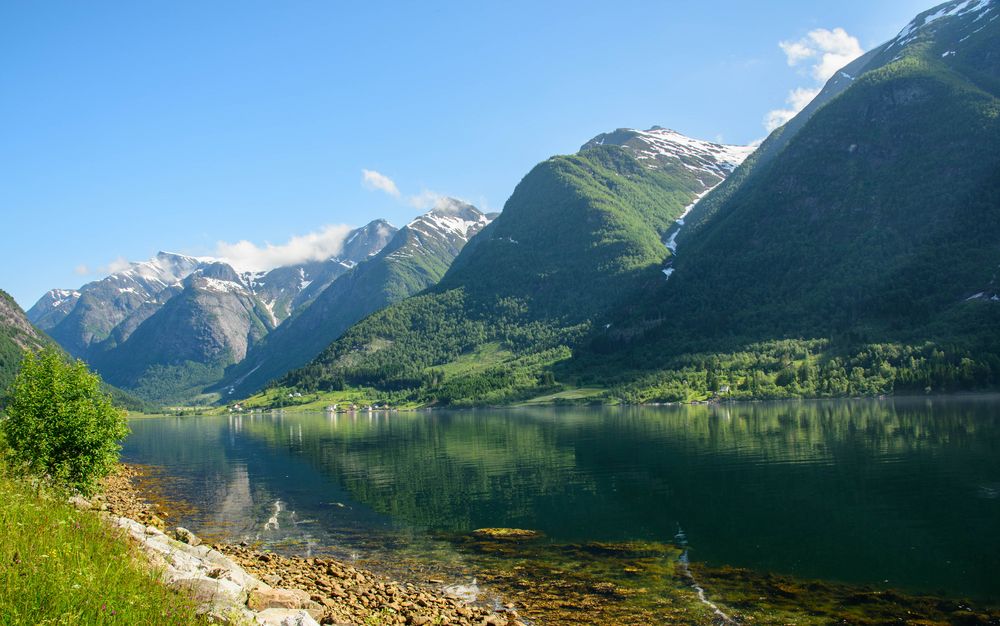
(59, 565)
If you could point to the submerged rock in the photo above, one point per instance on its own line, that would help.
(511, 534)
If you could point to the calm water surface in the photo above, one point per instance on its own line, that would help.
(898, 493)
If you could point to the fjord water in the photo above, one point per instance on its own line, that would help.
(900, 493)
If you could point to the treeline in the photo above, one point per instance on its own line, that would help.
(400, 351)
(813, 369)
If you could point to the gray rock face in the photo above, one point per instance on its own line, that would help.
(179, 312)
(219, 587)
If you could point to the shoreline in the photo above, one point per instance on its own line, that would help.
(265, 587)
(217, 411)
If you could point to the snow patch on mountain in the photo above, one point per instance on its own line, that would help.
(63, 296)
(450, 218)
(220, 286)
(658, 146)
(956, 9)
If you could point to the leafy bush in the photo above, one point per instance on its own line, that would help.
(60, 423)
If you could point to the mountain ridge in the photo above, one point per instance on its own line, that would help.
(417, 257)
(578, 232)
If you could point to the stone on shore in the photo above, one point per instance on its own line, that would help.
(263, 598)
(186, 536)
(285, 617)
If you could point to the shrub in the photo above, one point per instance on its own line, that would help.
(60, 424)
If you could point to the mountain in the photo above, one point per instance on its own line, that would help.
(579, 234)
(417, 257)
(113, 307)
(865, 236)
(285, 289)
(81, 318)
(168, 326)
(208, 325)
(17, 336)
(857, 251)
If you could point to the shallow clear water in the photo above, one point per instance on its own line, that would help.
(897, 493)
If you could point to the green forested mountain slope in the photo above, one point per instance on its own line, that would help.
(579, 233)
(17, 336)
(858, 251)
(417, 257)
(875, 229)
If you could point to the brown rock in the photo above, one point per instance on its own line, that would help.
(261, 599)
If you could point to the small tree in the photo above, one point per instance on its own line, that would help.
(60, 423)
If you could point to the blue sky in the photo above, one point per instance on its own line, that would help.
(131, 127)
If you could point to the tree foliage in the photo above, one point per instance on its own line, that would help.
(60, 423)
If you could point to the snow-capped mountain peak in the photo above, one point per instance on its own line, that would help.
(658, 147)
(166, 267)
(975, 13)
(450, 217)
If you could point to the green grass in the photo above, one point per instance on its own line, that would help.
(59, 565)
(478, 360)
(568, 396)
(277, 398)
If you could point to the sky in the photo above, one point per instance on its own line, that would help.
(260, 131)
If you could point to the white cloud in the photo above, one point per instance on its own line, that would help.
(425, 200)
(797, 100)
(379, 182)
(81, 270)
(828, 50)
(824, 51)
(118, 265)
(316, 246)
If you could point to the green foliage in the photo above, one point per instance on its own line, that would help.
(177, 383)
(60, 423)
(63, 566)
(813, 369)
(129, 401)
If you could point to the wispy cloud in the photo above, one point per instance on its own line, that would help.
(425, 200)
(377, 181)
(316, 246)
(81, 270)
(820, 53)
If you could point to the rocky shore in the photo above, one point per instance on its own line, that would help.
(241, 585)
